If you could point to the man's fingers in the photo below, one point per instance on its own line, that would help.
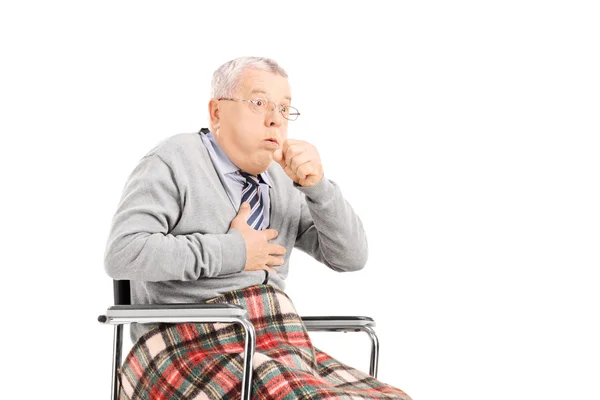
(292, 151)
(289, 148)
(288, 171)
(295, 159)
(298, 160)
(269, 269)
(244, 210)
(275, 261)
(278, 157)
(277, 249)
(287, 143)
(305, 170)
(270, 234)
(242, 216)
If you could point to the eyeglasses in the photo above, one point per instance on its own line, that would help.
(263, 106)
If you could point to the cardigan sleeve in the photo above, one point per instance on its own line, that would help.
(329, 230)
(140, 245)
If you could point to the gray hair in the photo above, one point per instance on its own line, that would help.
(226, 78)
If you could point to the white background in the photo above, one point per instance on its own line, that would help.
(464, 134)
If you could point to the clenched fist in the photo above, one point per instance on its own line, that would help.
(301, 162)
(260, 254)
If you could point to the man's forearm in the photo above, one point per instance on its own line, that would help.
(159, 257)
(140, 245)
(330, 230)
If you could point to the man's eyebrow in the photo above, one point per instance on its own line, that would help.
(262, 91)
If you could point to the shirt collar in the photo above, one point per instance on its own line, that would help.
(225, 164)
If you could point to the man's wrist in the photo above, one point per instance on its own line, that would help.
(319, 192)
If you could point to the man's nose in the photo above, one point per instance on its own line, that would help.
(273, 117)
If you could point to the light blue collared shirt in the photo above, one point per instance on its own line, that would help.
(231, 178)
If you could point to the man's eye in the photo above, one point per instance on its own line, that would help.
(284, 109)
(259, 102)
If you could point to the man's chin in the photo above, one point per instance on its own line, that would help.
(260, 166)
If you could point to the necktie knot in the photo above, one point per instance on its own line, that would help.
(252, 179)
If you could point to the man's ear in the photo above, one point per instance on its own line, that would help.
(213, 112)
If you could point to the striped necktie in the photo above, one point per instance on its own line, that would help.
(251, 194)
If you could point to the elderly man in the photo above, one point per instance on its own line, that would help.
(213, 216)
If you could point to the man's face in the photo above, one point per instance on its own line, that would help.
(246, 134)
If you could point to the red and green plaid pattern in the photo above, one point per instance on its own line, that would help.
(205, 361)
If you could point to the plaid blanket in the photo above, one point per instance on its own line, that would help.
(205, 361)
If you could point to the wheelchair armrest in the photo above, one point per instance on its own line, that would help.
(180, 313)
(338, 323)
(173, 313)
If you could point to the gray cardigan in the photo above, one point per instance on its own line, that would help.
(170, 234)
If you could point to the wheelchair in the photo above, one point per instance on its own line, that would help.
(123, 312)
